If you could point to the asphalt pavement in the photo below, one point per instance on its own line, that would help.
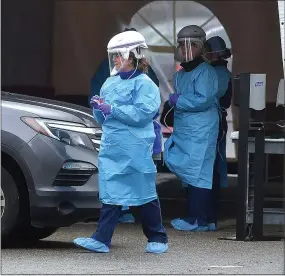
(189, 253)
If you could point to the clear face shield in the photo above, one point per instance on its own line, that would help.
(187, 49)
(119, 60)
(211, 56)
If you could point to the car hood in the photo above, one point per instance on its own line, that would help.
(51, 109)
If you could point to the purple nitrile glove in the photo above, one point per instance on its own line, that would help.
(173, 98)
(95, 101)
(157, 145)
(105, 109)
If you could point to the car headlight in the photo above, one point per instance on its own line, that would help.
(73, 134)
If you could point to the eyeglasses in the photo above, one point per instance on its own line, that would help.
(116, 55)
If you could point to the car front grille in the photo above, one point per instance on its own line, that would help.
(96, 140)
(96, 143)
(67, 177)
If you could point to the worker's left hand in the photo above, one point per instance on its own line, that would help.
(105, 109)
(173, 98)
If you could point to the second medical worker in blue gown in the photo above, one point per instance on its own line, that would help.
(216, 54)
(126, 169)
(191, 150)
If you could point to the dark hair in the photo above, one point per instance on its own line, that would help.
(227, 54)
(142, 63)
(129, 29)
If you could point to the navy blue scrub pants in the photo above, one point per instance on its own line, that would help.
(151, 222)
(199, 201)
(216, 188)
(215, 198)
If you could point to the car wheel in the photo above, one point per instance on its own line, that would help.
(10, 204)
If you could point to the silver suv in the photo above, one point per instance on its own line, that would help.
(49, 160)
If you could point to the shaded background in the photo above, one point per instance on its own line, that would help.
(51, 48)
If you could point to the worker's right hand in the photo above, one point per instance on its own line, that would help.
(95, 100)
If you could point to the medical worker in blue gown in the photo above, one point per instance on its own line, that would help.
(216, 54)
(102, 73)
(126, 168)
(191, 149)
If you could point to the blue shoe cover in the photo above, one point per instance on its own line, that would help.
(156, 247)
(127, 218)
(182, 225)
(91, 245)
(201, 229)
(212, 226)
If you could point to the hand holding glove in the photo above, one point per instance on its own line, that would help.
(173, 98)
(105, 109)
(95, 100)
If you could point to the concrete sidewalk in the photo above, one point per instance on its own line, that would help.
(189, 253)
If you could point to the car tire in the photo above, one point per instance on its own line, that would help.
(10, 203)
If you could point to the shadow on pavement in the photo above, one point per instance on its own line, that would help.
(41, 244)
